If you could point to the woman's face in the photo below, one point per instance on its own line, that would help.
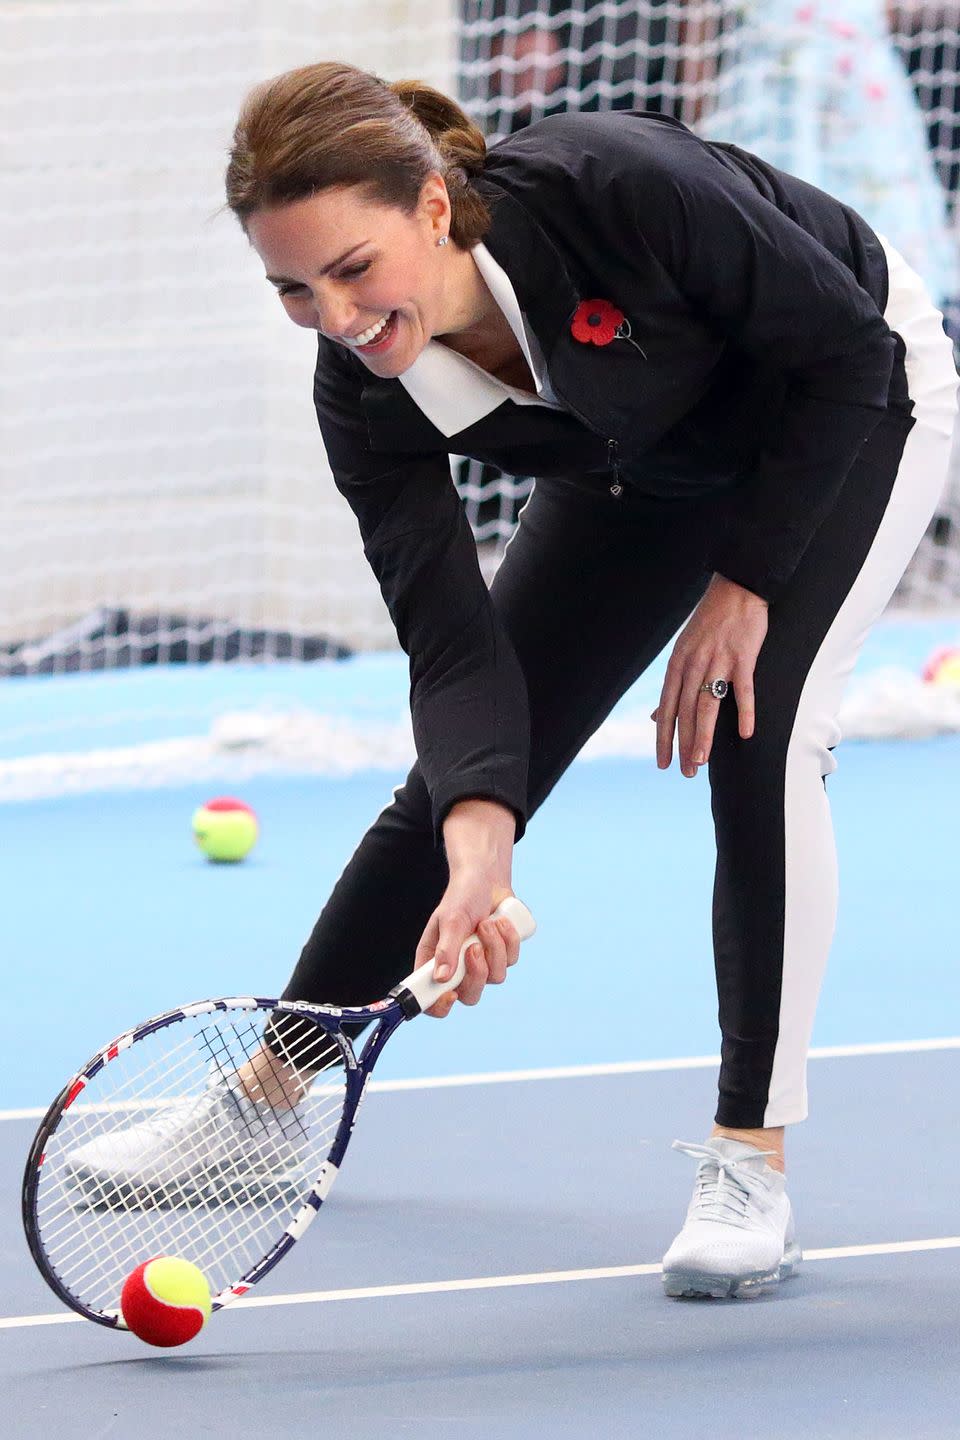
(342, 265)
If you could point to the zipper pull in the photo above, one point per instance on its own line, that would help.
(613, 460)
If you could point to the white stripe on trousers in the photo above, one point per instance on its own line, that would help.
(810, 853)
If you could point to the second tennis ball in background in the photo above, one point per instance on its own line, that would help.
(225, 829)
(943, 666)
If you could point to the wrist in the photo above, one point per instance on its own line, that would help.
(479, 833)
(720, 584)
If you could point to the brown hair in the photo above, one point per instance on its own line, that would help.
(332, 124)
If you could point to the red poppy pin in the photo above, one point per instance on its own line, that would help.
(597, 322)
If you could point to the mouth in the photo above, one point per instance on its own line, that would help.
(380, 340)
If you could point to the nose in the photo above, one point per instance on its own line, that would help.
(336, 316)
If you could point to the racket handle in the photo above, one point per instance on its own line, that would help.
(427, 991)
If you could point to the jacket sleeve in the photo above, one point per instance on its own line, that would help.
(776, 293)
(468, 696)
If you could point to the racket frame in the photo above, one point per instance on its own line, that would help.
(386, 1015)
(406, 1000)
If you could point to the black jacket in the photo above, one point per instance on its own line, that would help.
(757, 301)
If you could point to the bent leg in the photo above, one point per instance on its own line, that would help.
(775, 895)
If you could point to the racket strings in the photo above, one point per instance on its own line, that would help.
(160, 1105)
(203, 1241)
(202, 1233)
(99, 1195)
(206, 1164)
(289, 1035)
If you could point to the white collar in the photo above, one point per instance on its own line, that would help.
(454, 392)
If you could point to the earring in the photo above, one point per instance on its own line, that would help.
(443, 239)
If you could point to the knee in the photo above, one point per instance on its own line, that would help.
(409, 806)
(815, 736)
(801, 746)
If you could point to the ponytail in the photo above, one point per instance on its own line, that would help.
(462, 149)
(332, 124)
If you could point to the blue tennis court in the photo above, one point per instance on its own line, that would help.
(488, 1263)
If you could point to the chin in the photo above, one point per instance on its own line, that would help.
(394, 364)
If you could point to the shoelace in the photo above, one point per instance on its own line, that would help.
(251, 1118)
(724, 1186)
(168, 1119)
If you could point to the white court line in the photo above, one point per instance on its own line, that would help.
(499, 1282)
(621, 1067)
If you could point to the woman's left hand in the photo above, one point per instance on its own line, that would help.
(721, 641)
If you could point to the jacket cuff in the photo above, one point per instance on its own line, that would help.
(443, 799)
(740, 560)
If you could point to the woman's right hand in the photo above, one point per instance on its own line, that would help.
(478, 837)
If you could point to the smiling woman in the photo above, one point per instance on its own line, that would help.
(747, 453)
(346, 196)
(386, 291)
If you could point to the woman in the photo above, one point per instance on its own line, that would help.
(738, 401)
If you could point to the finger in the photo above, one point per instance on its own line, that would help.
(443, 1006)
(708, 709)
(471, 986)
(666, 713)
(746, 704)
(687, 723)
(455, 928)
(495, 951)
(429, 941)
(511, 940)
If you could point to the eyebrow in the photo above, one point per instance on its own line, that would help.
(287, 280)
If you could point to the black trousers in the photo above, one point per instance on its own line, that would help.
(590, 590)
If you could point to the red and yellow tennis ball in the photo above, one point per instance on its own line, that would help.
(943, 666)
(225, 829)
(165, 1301)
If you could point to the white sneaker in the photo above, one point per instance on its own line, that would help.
(738, 1237)
(216, 1147)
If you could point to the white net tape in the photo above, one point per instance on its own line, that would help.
(165, 1153)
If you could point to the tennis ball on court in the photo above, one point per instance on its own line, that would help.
(943, 666)
(165, 1301)
(225, 829)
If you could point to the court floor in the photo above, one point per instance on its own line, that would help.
(488, 1262)
(488, 1268)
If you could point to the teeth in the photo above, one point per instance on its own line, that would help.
(366, 336)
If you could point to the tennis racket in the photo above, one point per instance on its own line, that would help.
(213, 1133)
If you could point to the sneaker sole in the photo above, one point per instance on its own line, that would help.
(693, 1285)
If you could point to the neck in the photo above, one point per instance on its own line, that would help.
(474, 318)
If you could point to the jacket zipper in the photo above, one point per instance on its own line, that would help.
(613, 448)
(613, 460)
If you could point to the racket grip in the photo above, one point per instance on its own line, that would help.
(427, 991)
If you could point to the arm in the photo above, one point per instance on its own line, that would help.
(699, 49)
(468, 697)
(478, 838)
(467, 691)
(906, 17)
(770, 289)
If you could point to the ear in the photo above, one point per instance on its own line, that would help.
(434, 203)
